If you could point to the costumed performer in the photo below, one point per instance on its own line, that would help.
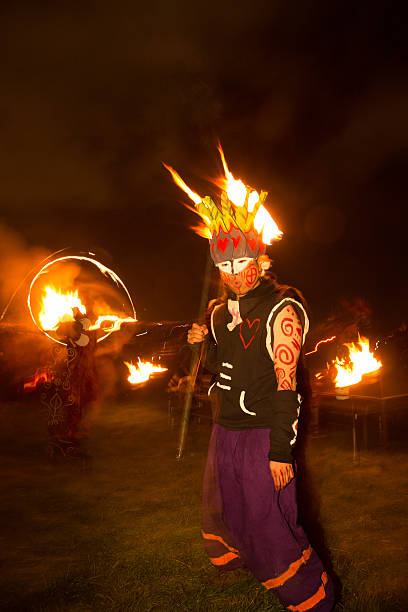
(254, 339)
(74, 386)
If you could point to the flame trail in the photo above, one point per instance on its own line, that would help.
(319, 343)
(116, 322)
(180, 183)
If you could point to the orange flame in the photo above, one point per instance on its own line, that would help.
(239, 194)
(266, 226)
(236, 190)
(42, 375)
(58, 307)
(252, 200)
(180, 183)
(247, 201)
(202, 230)
(142, 371)
(361, 361)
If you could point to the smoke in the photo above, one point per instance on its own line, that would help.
(18, 262)
(23, 348)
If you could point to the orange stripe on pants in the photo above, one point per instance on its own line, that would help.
(224, 559)
(272, 583)
(211, 536)
(312, 601)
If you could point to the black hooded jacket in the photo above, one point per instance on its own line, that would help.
(240, 353)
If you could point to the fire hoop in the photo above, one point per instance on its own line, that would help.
(107, 272)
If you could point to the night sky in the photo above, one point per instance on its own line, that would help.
(309, 100)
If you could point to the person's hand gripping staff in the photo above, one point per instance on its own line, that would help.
(196, 333)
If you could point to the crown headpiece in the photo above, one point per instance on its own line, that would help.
(240, 226)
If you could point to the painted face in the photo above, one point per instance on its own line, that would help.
(240, 275)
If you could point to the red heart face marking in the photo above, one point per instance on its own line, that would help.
(222, 244)
(236, 240)
(246, 329)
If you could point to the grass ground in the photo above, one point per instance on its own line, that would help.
(123, 532)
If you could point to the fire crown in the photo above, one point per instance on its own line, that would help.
(240, 226)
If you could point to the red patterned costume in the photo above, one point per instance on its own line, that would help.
(74, 386)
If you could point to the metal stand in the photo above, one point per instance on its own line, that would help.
(355, 450)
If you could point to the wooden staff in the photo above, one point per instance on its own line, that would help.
(196, 355)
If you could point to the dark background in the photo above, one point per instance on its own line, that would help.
(309, 100)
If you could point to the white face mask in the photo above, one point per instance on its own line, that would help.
(235, 266)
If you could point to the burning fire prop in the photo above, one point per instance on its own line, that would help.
(360, 361)
(241, 195)
(250, 208)
(142, 371)
(57, 305)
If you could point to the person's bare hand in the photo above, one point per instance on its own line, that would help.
(282, 474)
(196, 333)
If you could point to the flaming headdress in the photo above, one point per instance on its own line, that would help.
(240, 226)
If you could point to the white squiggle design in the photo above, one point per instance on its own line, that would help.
(223, 386)
(227, 365)
(212, 322)
(268, 327)
(210, 389)
(295, 423)
(242, 404)
(225, 376)
(294, 427)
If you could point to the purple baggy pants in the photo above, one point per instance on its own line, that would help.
(247, 523)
